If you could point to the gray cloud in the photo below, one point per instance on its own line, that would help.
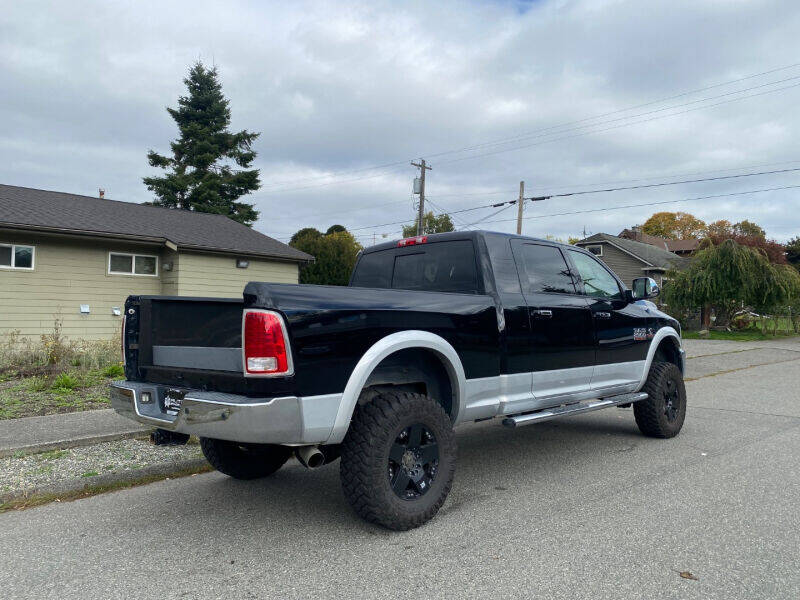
(338, 86)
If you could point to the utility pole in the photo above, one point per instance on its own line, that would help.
(422, 168)
(519, 206)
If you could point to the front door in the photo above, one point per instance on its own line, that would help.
(562, 336)
(622, 332)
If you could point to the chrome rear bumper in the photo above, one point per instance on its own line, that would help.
(286, 420)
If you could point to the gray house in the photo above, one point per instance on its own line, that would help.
(630, 259)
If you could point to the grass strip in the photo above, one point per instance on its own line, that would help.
(39, 499)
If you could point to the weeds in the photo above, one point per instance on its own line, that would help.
(54, 353)
(114, 370)
(65, 383)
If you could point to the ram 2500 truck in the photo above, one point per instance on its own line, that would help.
(432, 332)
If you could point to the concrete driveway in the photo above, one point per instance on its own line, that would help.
(579, 508)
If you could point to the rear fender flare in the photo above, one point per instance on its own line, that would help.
(385, 347)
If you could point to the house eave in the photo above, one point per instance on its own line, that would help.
(87, 233)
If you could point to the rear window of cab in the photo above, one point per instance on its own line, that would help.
(438, 267)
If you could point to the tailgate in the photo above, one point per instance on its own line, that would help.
(176, 337)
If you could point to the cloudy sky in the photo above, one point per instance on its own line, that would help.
(566, 95)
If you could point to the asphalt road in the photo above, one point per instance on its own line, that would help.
(584, 507)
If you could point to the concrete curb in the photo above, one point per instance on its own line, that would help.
(29, 435)
(76, 442)
(85, 483)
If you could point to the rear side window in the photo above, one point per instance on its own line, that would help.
(545, 270)
(438, 267)
(374, 270)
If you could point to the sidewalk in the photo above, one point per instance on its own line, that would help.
(68, 430)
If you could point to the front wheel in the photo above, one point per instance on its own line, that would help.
(398, 460)
(244, 461)
(664, 411)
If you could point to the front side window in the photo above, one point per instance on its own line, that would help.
(16, 256)
(597, 281)
(545, 270)
(132, 264)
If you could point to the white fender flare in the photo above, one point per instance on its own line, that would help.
(662, 333)
(383, 348)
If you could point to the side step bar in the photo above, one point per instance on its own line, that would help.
(571, 409)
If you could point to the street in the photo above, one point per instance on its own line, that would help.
(583, 507)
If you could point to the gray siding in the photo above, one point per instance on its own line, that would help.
(623, 264)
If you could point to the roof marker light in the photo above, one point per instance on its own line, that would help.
(412, 241)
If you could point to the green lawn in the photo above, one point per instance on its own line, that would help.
(740, 335)
(69, 391)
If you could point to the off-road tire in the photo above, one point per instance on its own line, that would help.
(653, 415)
(244, 461)
(365, 468)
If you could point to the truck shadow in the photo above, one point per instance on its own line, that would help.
(493, 462)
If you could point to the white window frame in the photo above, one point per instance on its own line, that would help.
(595, 246)
(133, 264)
(13, 247)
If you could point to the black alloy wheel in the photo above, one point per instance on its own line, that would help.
(663, 412)
(413, 462)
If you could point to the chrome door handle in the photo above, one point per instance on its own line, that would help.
(602, 315)
(543, 313)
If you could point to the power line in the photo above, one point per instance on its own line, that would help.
(591, 210)
(569, 137)
(632, 187)
(550, 128)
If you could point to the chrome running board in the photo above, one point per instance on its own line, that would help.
(572, 409)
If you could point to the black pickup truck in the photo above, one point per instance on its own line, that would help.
(432, 331)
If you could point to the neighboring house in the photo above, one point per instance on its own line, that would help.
(77, 258)
(630, 259)
(680, 247)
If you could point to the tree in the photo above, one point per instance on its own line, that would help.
(749, 229)
(306, 231)
(335, 253)
(730, 274)
(199, 174)
(721, 227)
(793, 252)
(430, 224)
(335, 229)
(674, 225)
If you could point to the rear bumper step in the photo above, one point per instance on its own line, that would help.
(572, 409)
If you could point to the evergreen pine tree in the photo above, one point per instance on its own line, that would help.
(199, 174)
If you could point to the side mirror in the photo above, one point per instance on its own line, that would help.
(644, 288)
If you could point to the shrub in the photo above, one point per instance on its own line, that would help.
(114, 370)
(65, 382)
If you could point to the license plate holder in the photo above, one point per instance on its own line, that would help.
(173, 399)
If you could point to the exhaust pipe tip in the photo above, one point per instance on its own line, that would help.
(311, 457)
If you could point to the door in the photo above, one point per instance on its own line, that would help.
(562, 344)
(621, 328)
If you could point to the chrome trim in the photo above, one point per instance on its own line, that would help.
(284, 330)
(383, 348)
(572, 409)
(282, 420)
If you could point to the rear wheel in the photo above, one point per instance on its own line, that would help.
(244, 461)
(398, 460)
(664, 411)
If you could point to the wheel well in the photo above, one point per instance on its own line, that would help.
(667, 351)
(416, 370)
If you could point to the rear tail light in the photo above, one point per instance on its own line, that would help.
(413, 241)
(265, 346)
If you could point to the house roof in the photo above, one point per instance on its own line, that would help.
(651, 255)
(686, 245)
(41, 210)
